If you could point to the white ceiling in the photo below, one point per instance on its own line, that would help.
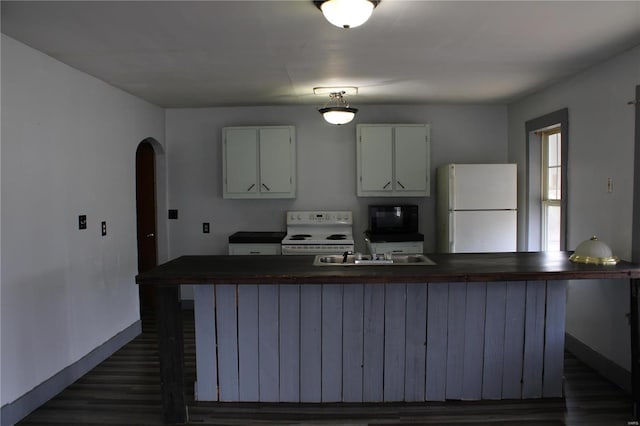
(221, 53)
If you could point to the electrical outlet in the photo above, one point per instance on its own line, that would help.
(173, 214)
(82, 221)
(610, 185)
(205, 228)
(104, 228)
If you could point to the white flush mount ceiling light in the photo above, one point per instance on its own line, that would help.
(347, 13)
(337, 111)
(327, 90)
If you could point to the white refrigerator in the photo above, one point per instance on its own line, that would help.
(477, 208)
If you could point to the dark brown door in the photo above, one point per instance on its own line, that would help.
(146, 217)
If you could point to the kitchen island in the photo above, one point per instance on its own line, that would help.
(278, 328)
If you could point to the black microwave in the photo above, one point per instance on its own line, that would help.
(393, 219)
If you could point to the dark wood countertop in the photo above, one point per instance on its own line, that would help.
(476, 267)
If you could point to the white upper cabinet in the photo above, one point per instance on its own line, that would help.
(277, 161)
(240, 161)
(259, 162)
(393, 160)
(375, 151)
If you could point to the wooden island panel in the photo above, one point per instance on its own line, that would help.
(379, 342)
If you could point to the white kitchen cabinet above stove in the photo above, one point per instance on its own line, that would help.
(259, 162)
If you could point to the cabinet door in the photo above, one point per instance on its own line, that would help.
(241, 161)
(276, 163)
(411, 159)
(374, 159)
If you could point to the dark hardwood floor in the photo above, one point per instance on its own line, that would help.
(124, 390)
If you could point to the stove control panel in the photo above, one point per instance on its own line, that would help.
(316, 249)
(319, 218)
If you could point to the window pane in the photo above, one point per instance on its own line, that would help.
(553, 183)
(552, 220)
(558, 183)
(551, 189)
(554, 150)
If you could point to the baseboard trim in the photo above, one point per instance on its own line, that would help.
(15, 411)
(604, 366)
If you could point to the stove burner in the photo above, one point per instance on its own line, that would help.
(298, 237)
(337, 237)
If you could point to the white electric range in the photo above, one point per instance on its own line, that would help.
(318, 232)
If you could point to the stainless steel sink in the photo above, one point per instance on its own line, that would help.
(363, 260)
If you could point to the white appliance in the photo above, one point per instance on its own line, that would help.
(318, 232)
(477, 208)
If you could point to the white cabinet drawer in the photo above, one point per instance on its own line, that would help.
(256, 249)
(404, 247)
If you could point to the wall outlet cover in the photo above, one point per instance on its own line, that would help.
(173, 214)
(104, 228)
(82, 221)
(205, 228)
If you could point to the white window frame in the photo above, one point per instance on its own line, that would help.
(545, 201)
(532, 226)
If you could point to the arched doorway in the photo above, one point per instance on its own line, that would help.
(146, 218)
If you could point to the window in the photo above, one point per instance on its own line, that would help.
(551, 200)
(546, 197)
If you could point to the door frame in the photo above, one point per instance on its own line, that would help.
(160, 198)
(635, 235)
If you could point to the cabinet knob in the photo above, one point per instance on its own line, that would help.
(401, 185)
(386, 185)
(251, 187)
(150, 235)
(266, 187)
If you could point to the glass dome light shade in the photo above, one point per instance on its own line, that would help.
(347, 13)
(338, 115)
(594, 251)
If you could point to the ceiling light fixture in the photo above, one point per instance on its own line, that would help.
(327, 90)
(340, 112)
(347, 13)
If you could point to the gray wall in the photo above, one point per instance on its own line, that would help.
(326, 166)
(601, 145)
(68, 148)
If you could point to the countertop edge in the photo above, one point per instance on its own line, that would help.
(479, 267)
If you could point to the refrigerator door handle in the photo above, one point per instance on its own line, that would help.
(451, 233)
(452, 184)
